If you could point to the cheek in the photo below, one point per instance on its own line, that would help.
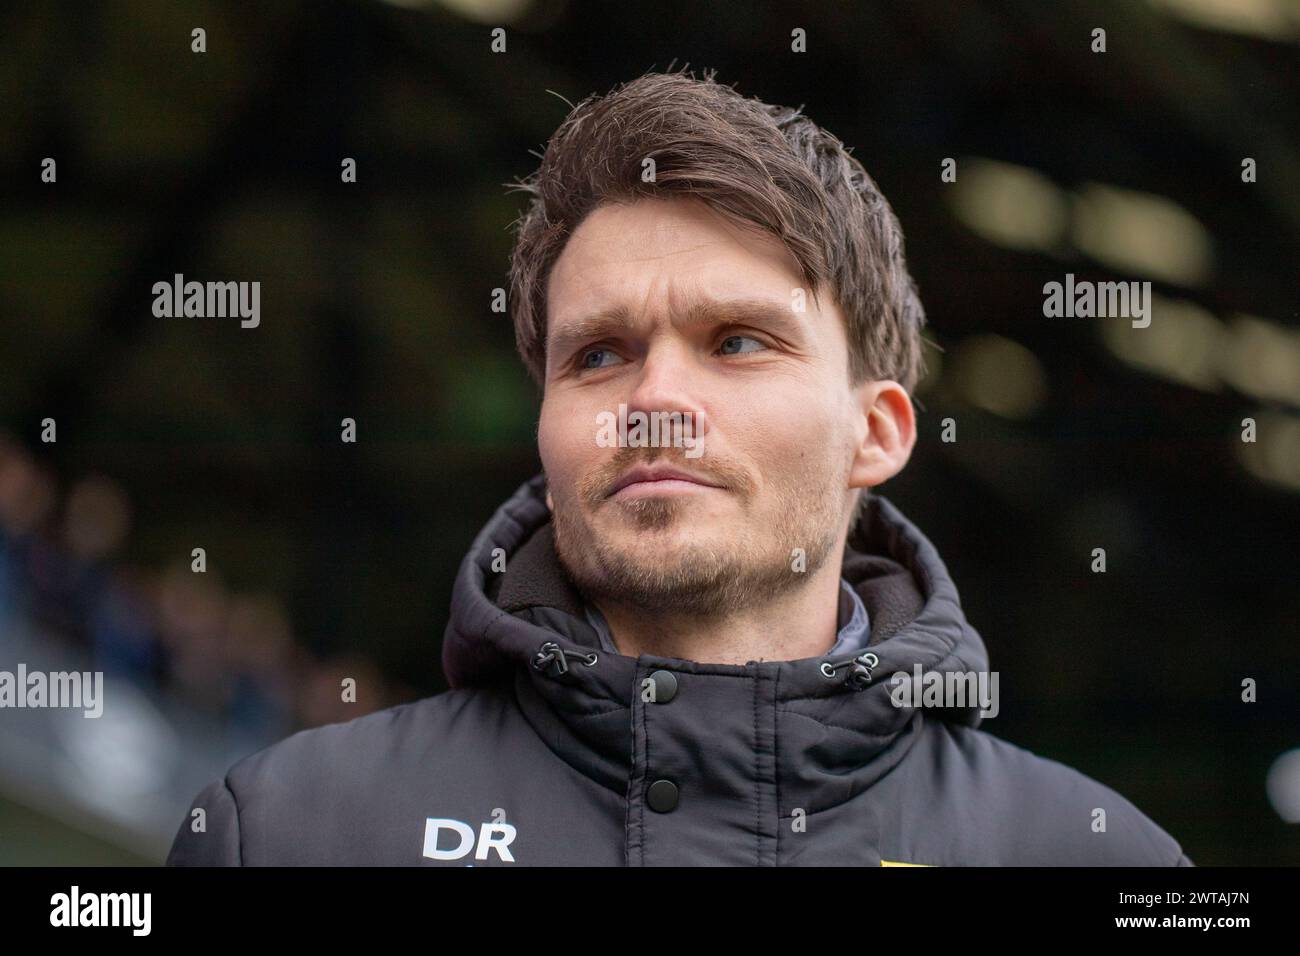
(791, 432)
(562, 442)
(548, 447)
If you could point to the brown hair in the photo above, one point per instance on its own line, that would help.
(767, 166)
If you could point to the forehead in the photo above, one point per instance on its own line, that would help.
(657, 251)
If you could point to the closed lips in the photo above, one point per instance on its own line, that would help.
(637, 475)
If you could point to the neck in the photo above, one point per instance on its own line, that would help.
(793, 625)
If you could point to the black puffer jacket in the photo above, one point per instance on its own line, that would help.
(549, 751)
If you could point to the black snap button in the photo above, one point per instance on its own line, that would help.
(665, 686)
(662, 796)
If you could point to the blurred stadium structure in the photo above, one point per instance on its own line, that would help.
(329, 560)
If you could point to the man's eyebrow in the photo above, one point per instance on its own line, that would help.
(592, 326)
(710, 311)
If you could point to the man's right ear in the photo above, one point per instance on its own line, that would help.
(550, 505)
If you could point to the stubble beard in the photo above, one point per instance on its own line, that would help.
(706, 579)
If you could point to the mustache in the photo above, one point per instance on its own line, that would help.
(594, 487)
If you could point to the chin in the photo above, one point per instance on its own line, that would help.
(659, 548)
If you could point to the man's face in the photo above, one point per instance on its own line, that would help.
(708, 322)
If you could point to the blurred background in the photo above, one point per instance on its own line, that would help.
(327, 559)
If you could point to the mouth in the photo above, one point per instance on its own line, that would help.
(650, 480)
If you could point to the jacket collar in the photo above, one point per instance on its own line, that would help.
(512, 596)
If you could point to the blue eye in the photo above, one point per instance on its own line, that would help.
(739, 338)
(584, 362)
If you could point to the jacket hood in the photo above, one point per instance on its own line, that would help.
(516, 616)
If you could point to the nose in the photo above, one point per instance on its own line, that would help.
(668, 383)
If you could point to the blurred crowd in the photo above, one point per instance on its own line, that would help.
(170, 631)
